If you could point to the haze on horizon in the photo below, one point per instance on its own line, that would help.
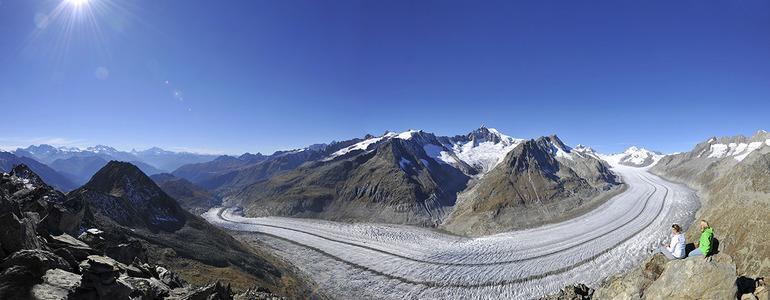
(262, 76)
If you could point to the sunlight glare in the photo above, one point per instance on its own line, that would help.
(76, 3)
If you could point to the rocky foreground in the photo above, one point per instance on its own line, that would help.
(48, 251)
(658, 278)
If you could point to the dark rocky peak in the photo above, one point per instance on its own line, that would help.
(484, 134)
(119, 177)
(123, 193)
(22, 171)
(533, 155)
(555, 141)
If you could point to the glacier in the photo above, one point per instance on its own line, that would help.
(386, 261)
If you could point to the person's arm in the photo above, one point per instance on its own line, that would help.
(672, 243)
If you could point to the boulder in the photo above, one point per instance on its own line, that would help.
(148, 288)
(17, 233)
(77, 248)
(171, 279)
(102, 274)
(696, 278)
(57, 284)
(64, 217)
(632, 284)
(36, 261)
(16, 282)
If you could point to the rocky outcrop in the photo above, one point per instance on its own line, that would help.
(695, 278)
(691, 278)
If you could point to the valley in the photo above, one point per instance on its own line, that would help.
(353, 260)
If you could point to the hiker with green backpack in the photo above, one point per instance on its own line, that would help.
(703, 246)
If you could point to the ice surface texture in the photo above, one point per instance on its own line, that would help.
(354, 261)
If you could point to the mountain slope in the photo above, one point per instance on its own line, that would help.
(394, 181)
(57, 180)
(190, 196)
(733, 174)
(540, 181)
(414, 177)
(228, 174)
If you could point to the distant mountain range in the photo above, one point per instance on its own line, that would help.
(77, 165)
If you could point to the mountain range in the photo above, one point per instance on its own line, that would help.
(415, 177)
(77, 165)
(476, 183)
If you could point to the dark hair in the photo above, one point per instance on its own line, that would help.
(677, 228)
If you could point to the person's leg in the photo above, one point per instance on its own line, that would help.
(695, 252)
(665, 252)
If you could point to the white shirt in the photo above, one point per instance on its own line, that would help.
(676, 247)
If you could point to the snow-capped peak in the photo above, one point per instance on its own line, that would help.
(634, 157)
(407, 134)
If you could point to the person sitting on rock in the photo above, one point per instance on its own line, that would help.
(703, 246)
(675, 248)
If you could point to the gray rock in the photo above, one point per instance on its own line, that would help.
(57, 284)
(632, 284)
(147, 288)
(16, 282)
(171, 279)
(17, 233)
(696, 278)
(36, 261)
(126, 252)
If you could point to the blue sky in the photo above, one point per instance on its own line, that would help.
(236, 76)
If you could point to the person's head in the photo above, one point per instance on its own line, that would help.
(676, 229)
(703, 225)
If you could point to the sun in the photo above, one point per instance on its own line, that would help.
(76, 3)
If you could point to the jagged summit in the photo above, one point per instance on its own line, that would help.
(24, 172)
